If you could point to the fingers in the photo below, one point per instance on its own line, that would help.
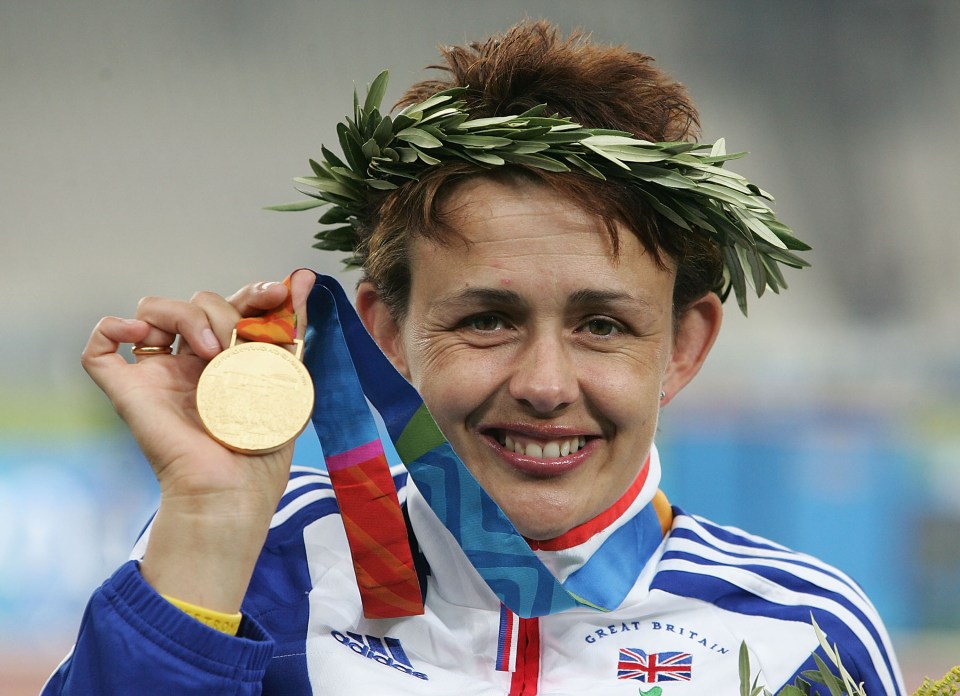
(221, 315)
(204, 324)
(109, 333)
(257, 298)
(157, 337)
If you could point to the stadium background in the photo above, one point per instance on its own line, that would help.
(140, 141)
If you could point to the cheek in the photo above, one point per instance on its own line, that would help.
(625, 386)
(628, 413)
(450, 378)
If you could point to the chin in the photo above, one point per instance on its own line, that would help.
(539, 526)
(545, 535)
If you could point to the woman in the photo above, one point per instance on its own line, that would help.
(545, 314)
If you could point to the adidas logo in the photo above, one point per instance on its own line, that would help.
(387, 651)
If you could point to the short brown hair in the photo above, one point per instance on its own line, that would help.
(595, 85)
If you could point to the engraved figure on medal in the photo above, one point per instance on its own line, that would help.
(255, 397)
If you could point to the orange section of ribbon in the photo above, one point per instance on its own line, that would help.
(378, 540)
(278, 326)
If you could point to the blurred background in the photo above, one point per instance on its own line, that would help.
(140, 141)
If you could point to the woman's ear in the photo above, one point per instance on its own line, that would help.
(381, 325)
(697, 329)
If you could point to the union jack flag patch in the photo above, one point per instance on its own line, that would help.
(654, 667)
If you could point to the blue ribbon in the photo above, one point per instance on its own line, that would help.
(348, 369)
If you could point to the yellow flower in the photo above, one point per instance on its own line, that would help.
(948, 686)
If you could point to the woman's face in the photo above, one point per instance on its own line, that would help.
(540, 356)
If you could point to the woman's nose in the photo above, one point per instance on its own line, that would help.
(544, 375)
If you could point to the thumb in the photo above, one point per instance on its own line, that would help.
(100, 358)
(301, 283)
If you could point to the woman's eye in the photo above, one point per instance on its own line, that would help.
(485, 322)
(601, 327)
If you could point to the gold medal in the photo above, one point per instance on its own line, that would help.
(255, 397)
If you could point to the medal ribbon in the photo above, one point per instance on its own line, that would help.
(349, 370)
(366, 494)
(278, 326)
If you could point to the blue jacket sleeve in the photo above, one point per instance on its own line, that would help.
(866, 659)
(132, 641)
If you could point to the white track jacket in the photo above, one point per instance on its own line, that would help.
(678, 632)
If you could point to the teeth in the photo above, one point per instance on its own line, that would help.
(550, 450)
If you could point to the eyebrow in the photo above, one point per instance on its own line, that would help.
(489, 296)
(599, 298)
(586, 297)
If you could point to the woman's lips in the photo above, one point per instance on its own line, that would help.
(541, 455)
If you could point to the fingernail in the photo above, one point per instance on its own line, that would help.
(209, 340)
(264, 287)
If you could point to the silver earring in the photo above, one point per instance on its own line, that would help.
(663, 395)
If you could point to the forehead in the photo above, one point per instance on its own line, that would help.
(483, 209)
(524, 234)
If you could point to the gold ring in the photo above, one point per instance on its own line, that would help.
(152, 350)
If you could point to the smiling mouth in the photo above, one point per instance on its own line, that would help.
(544, 449)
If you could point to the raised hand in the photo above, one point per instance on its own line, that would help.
(216, 504)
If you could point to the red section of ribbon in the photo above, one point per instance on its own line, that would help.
(378, 539)
(278, 326)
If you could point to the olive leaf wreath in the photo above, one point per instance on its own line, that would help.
(684, 182)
